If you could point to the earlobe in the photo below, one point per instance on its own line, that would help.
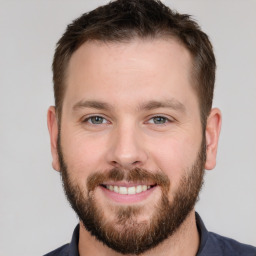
(212, 134)
(52, 123)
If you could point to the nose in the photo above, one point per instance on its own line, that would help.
(127, 149)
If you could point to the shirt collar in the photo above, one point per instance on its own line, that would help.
(203, 232)
(73, 246)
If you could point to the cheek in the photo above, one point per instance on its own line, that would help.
(175, 155)
(83, 154)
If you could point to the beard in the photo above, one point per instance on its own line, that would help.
(125, 234)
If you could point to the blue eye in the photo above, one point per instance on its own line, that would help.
(96, 120)
(158, 120)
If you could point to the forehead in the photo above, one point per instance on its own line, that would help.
(154, 53)
(131, 70)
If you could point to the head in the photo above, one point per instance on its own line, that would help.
(132, 129)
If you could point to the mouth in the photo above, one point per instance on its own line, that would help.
(131, 190)
(127, 193)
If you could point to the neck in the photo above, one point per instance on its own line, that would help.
(185, 241)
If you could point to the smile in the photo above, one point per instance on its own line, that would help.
(128, 190)
(127, 193)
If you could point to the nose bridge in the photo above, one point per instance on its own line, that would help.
(127, 149)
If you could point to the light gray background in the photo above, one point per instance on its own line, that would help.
(34, 215)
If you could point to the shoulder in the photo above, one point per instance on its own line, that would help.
(68, 249)
(61, 251)
(228, 246)
(212, 244)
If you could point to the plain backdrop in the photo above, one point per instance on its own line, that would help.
(35, 217)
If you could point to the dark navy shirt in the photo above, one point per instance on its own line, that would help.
(211, 244)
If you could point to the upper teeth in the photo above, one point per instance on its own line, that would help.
(128, 190)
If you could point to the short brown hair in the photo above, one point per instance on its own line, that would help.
(123, 20)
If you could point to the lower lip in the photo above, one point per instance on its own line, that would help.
(127, 199)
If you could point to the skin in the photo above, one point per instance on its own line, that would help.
(127, 77)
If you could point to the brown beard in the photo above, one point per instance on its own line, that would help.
(134, 237)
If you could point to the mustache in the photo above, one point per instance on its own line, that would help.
(134, 175)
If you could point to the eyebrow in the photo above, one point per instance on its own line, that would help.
(150, 105)
(172, 103)
(92, 104)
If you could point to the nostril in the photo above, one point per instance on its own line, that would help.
(125, 165)
(116, 164)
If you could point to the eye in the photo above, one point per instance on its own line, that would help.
(96, 120)
(158, 120)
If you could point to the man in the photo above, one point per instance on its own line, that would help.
(133, 130)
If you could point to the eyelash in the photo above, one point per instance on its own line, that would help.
(87, 120)
(166, 120)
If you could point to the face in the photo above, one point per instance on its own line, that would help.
(130, 146)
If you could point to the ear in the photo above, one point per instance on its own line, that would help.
(212, 134)
(52, 123)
